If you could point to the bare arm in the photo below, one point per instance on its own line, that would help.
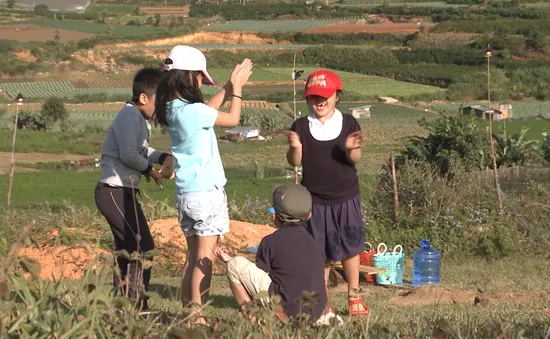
(294, 156)
(239, 77)
(221, 97)
(354, 141)
(294, 153)
(231, 118)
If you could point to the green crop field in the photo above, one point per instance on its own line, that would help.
(96, 28)
(521, 109)
(406, 4)
(378, 86)
(534, 132)
(287, 72)
(267, 26)
(111, 9)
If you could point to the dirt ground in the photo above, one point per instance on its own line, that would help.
(39, 33)
(368, 28)
(71, 262)
(199, 37)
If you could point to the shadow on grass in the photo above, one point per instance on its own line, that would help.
(172, 293)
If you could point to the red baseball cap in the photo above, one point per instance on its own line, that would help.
(323, 83)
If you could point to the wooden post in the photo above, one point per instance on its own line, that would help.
(12, 164)
(395, 190)
(491, 140)
(294, 109)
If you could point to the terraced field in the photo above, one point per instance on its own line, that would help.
(268, 26)
(519, 109)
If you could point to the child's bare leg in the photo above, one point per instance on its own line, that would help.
(188, 270)
(202, 271)
(329, 299)
(240, 293)
(351, 270)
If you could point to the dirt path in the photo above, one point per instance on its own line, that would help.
(32, 158)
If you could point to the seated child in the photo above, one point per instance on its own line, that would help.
(288, 262)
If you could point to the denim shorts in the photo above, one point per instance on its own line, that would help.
(203, 213)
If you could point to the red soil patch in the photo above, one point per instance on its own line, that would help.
(63, 261)
(39, 33)
(72, 262)
(170, 240)
(436, 295)
(368, 28)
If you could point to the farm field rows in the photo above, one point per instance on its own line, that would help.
(268, 26)
(30, 32)
(519, 109)
(357, 83)
(75, 6)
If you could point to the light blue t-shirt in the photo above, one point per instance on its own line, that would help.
(198, 165)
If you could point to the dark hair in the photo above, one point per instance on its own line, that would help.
(176, 84)
(145, 81)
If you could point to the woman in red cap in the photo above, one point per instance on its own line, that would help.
(327, 144)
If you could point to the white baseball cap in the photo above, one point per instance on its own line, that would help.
(187, 58)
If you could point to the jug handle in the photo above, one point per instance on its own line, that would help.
(385, 248)
(370, 246)
(401, 249)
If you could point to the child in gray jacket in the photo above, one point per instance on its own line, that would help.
(125, 157)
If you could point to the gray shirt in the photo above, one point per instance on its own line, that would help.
(126, 154)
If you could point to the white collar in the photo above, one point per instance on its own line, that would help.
(330, 130)
(337, 117)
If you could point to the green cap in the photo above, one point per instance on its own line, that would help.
(292, 202)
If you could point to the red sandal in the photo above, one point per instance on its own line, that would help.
(357, 313)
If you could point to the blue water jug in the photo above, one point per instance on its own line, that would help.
(426, 265)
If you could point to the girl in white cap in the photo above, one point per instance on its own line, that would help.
(200, 179)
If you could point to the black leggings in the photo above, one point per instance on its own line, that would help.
(120, 207)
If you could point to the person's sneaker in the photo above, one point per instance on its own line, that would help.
(329, 318)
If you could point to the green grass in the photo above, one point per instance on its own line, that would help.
(97, 28)
(381, 114)
(521, 109)
(378, 86)
(268, 26)
(536, 128)
(434, 4)
(52, 142)
(111, 9)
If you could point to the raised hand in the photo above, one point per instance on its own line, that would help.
(355, 140)
(241, 73)
(294, 140)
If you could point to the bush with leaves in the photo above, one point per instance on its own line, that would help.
(546, 147)
(31, 121)
(53, 110)
(451, 140)
(515, 150)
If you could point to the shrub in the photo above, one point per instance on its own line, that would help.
(515, 149)
(54, 110)
(546, 147)
(451, 141)
(32, 121)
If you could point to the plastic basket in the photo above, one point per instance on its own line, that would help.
(389, 261)
(366, 258)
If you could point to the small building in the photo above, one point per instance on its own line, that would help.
(482, 112)
(361, 112)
